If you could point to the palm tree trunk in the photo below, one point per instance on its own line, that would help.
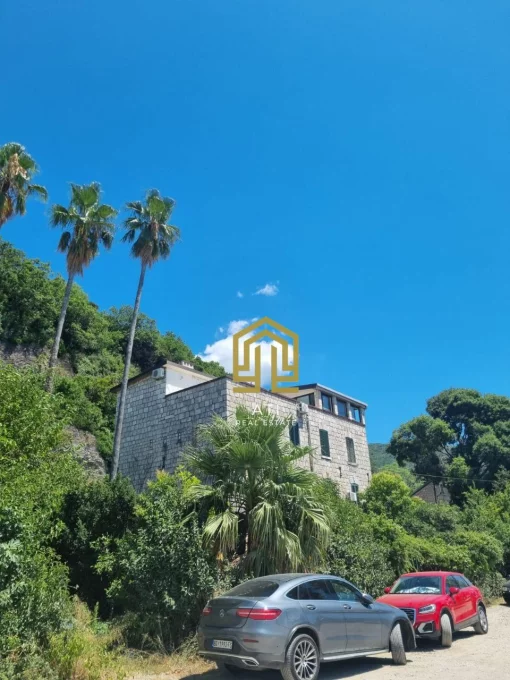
(58, 334)
(125, 377)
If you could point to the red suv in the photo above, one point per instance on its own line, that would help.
(438, 603)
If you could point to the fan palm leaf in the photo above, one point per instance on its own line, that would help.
(251, 471)
(17, 168)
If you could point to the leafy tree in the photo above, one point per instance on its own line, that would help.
(16, 171)
(36, 472)
(152, 238)
(388, 495)
(461, 424)
(28, 299)
(162, 577)
(87, 224)
(94, 511)
(262, 504)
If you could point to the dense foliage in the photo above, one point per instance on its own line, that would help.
(262, 504)
(465, 436)
(93, 342)
(149, 561)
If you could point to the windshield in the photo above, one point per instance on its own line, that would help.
(419, 585)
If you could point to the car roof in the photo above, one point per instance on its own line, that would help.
(432, 573)
(284, 578)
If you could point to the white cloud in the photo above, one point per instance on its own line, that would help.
(221, 351)
(270, 289)
(239, 294)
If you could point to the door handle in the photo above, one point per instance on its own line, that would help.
(347, 606)
(310, 606)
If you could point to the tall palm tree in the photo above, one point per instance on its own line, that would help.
(152, 238)
(260, 504)
(16, 170)
(87, 224)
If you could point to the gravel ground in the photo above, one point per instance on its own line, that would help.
(470, 658)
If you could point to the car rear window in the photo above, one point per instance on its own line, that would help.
(256, 589)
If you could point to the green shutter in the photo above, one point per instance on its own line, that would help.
(294, 434)
(324, 439)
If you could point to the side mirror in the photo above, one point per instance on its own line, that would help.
(387, 590)
(367, 599)
(454, 590)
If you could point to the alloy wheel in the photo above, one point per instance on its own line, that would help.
(305, 660)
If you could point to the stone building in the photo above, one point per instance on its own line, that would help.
(164, 407)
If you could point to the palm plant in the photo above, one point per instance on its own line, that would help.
(260, 503)
(88, 223)
(152, 237)
(16, 170)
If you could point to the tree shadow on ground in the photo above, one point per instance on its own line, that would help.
(335, 670)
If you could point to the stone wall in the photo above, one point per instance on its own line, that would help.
(337, 466)
(158, 428)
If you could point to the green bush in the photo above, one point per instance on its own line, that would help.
(95, 510)
(162, 577)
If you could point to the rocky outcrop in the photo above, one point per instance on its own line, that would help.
(27, 355)
(85, 449)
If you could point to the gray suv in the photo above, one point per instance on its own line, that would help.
(294, 622)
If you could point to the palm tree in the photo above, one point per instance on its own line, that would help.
(16, 170)
(152, 238)
(259, 504)
(88, 224)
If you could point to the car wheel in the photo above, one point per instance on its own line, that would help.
(302, 659)
(446, 631)
(233, 670)
(397, 647)
(482, 625)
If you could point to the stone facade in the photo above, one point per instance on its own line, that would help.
(158, 427)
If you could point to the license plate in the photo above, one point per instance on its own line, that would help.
(222, 644)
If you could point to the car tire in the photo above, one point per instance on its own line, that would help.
(482, 625)
(302, 649)
(397, 647)
(446, 631)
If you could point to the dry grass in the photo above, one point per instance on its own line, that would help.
(162, 667)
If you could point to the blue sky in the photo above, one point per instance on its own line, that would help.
(354, 154)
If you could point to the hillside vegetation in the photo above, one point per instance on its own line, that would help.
(93, 341)
(146, 564)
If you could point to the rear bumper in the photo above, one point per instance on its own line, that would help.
(249, 650)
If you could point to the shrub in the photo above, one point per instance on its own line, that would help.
(162, 577)
(95, 510)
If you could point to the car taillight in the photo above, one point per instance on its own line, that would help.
(258, 614)
(206, 611)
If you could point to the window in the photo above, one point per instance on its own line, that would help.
(316, 590)
(463, 582)
(324, 440)
(356, 413)
(354, 488)
(307, 399)
(351, 453)
(327, 402)
(294, 433)
(417, 585)
(341, 408)
(256, 588)
(344, 591)
(293, 594)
